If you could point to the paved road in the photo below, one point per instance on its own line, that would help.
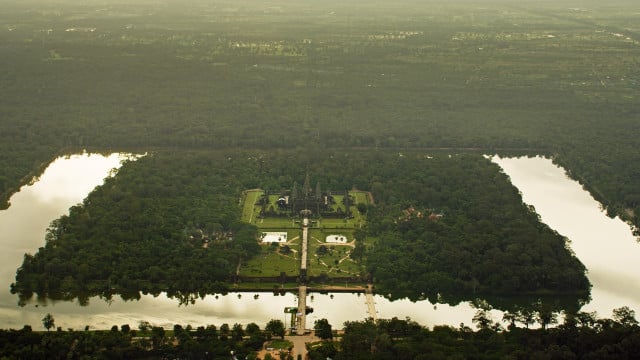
(299, 342)
(371, 308)
(305, 243)
(301, 323)
(302, 313)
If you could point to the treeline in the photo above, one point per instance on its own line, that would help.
(144, 231)
(581, 336)
(448, 226)
(445, 225)
(145, 342)
(395, 76)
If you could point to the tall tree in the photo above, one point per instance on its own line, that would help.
(323, 329)
(275, 327)
(252, 328)
(625, 316)
(48, 321)
(237, 332)
(157, 336)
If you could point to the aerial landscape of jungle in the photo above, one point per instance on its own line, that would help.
(325, 147)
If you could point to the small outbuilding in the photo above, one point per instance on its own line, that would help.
(336, 239)
(274, 237)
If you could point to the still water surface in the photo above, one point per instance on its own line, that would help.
(604, 245)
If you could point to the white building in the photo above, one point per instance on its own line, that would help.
(336, 239)
(271, 237)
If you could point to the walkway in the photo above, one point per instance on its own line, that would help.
(302, 310)
(371, 309)
(299, 344)
(305, 243)
(301, 324)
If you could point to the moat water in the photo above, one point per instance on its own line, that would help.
(606, 246)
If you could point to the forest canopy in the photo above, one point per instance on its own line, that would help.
(445, 227)
(541, 77)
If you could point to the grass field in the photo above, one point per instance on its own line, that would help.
(340, 223)
(248, 207)
(339, 253)
(280, 344)
(271, 263)
(273, 286)
(335, 263)
(361, 197)
(276, 223)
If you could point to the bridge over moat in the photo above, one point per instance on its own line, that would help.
(302, 309)
(328, 222)
(302, 289)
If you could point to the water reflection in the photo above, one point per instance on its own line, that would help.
(606, 246)
(64, 183)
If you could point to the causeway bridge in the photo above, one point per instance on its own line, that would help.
(301, 316)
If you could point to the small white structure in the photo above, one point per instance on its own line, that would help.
(274, 237)
(336, 239)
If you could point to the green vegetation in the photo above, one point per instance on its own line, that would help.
(149, 342)
(322, 329)
(249, 208)
(280, 344)
(273, 224)
(275, 328)
(441, 233)
(305, 85)
(342, 224)
(167, 223)
(48, 322)
(270, 262)
(323, 256)
(449, 228)
(336, 262)
(559, 79)
(581, 336)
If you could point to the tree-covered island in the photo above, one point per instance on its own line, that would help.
(238, 101)
(448, 228)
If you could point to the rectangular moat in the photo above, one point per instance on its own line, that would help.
(34, 203)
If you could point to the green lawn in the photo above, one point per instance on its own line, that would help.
(338, 203)
(280, 344)
(248, 208)
(339, 223)
(327, 262)
(361, 197)
(276, 223)
(273, 286)
(271, 263)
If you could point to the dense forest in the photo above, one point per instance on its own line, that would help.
(443, 225)
(142, 231)
(466, 231)
(144, 342)
(580, 336)
(554, 79)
